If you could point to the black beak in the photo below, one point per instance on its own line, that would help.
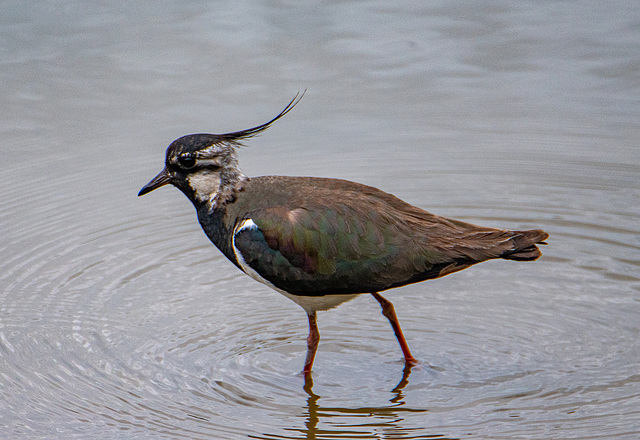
(161, 179)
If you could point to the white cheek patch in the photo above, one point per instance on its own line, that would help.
(205, 184)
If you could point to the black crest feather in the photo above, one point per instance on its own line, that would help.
(254, 131)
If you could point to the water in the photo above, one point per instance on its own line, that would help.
(118, 319)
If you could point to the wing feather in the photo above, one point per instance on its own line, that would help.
(367, 244)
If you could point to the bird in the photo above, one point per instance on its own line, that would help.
(323, 241)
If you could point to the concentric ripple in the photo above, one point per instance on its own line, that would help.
(136, 324)
(118, 318)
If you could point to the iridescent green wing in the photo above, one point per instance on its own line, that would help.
(320, 250)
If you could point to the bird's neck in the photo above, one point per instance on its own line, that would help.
(210, 189)
(218, 227)
(231, 183)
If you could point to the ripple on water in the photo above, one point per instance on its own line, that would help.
(113, 341)
(115, 320)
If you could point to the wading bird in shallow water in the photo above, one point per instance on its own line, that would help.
(318, 241)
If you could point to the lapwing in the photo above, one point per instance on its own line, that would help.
(322, 241)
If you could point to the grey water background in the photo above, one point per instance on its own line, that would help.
(118, 318)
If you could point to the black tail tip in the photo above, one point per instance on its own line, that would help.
(526, 248)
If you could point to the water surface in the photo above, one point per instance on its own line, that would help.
(118, 319)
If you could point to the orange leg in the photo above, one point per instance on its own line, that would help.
(389, 312)
(312, 344)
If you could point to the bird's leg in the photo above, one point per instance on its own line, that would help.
(389, 312)
(312, 343)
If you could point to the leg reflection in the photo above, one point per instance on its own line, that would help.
(390, 417)
(403, 383)
(312, 407)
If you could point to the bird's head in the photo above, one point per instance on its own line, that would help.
(205, 166)
(200, 165)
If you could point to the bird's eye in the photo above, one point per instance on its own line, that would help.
(187, 161)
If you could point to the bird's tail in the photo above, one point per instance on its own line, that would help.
(524, 245)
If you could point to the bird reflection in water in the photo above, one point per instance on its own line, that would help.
(380, 421)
